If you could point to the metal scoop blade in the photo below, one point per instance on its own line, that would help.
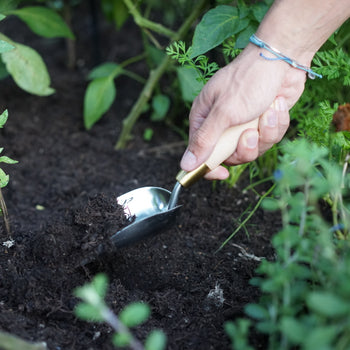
(155, 208)
(150, 209)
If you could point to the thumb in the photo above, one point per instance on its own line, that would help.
(201, 144)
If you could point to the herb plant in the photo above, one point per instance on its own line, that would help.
(305, 299)
(93, 308)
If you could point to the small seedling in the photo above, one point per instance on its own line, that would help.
(4, 178)
(94, 309)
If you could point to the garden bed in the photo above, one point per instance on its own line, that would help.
(64, 188)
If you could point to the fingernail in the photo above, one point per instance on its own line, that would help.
(188, 161)
(281, 105)
(251, 140)
(270, 118)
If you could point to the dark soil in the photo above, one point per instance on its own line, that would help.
(62, 204)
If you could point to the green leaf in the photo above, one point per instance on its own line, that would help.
(7, 160)
(256, 311)
(270, 204)
(2, 16)
(134, 314)
(28, 70)
(293, 329)
(43, 21)
(5, 46)
(3, 118)
(100, 283)
(243, 37)
(105, 70)
(216, 25)
(328, 304)
(4, 179)
(160, 105)
(121, 339)
(99, 96)
(321, 337)
(115, 11)
(259, 11)
(156, 340)
(87, 312)
(190, 86)
(148, 134)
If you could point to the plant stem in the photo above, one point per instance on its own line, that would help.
(11, 342)
(154, 76)
(5, 214)
(119, 327)
(248, 217)
(145, 23)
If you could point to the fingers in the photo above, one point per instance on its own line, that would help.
(273, 124)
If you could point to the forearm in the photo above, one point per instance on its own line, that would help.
(298, 28)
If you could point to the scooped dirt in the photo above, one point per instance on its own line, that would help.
(61, 202)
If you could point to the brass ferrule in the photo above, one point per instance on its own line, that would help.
(187, 179)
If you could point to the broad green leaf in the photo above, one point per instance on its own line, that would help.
(99, 96)
(293, 329)
(7, 160)
(5, 46)
(216, 25)
(328, 304)
(321, 337)
(43, 21)
(3, 119)
(156, 340)
(134, 314)
(190, 86)
(105, 70)
(121, 339)
(243, 37)
(259, 11)
(256, 311)
(270, 204)
(4, 178)
(115, 11)
(87, 312)
(28, 70)
(160, 105)
(2, 16)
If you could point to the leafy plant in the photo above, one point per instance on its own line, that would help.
(93, 308)
(305, 299)
(159, 63)
(22, 62)
(4, 178)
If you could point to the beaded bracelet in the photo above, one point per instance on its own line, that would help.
(279, 56)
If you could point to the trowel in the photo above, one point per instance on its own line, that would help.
(153, 209)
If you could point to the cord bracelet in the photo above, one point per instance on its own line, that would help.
(279, 56)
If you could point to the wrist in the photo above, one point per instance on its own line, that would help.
(298, 28)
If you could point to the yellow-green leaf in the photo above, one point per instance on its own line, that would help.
(43, 21)
(28, 70)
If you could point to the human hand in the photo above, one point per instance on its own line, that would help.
(247, 88)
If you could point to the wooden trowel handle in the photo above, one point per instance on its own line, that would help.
(226, 145)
